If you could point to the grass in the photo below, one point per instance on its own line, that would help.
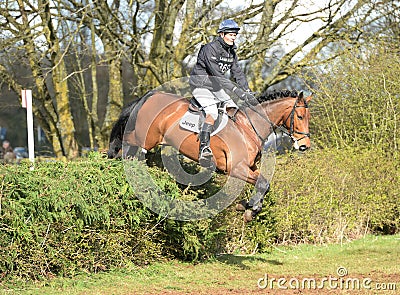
(374, 257)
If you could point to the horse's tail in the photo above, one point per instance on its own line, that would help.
(128, 113)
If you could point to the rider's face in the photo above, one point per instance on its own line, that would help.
(229, 38)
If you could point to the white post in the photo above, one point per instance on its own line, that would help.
(27, 103)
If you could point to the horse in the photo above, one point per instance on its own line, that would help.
(154, 120)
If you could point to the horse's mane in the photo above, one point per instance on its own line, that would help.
(276, 94)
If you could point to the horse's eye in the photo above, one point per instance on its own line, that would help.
(300, 117)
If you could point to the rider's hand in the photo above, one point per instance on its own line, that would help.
(250, 97)
(238, 92)
(246, 96)
(241, 93)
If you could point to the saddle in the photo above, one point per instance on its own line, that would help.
(194, 117)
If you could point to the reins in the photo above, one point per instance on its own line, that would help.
(272, 124)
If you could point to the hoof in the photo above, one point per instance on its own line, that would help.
(242, 205)
(248, 216)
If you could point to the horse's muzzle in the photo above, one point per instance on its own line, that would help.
(303, 148)
(301, 144)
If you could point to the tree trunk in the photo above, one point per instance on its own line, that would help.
(161, 56)
(65, 123)
(115, 97)
(45, 110)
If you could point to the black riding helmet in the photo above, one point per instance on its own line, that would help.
(228, 26)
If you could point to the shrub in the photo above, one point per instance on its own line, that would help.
(67, 217)
(356, 100)
(64, 217)
(336, 195)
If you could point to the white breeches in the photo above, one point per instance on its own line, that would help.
(208, 100)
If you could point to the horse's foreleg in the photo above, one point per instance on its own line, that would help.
(255, 203)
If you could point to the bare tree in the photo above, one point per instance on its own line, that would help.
(160, 39)
(31, 28)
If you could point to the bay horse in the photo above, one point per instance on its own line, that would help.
(154, 119)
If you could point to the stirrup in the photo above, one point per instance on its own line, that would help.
(206, 158)
(206, 152)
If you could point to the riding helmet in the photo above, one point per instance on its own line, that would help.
(228, 26)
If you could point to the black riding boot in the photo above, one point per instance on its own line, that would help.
(205, 153)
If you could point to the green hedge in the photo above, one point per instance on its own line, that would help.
(67, 217)
(337, 195)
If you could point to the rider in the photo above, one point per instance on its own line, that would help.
(214, 60)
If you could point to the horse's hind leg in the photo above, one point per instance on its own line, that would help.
(114, 148)
(130, 147)
(128, 150)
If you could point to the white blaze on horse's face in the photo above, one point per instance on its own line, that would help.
(295, 143)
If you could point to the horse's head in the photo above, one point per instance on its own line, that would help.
(296, 120)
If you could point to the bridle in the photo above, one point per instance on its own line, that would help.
(291, 132)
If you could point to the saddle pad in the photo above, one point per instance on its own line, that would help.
(190, 121)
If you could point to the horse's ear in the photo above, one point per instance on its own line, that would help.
(300, 96)
(308, 98)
